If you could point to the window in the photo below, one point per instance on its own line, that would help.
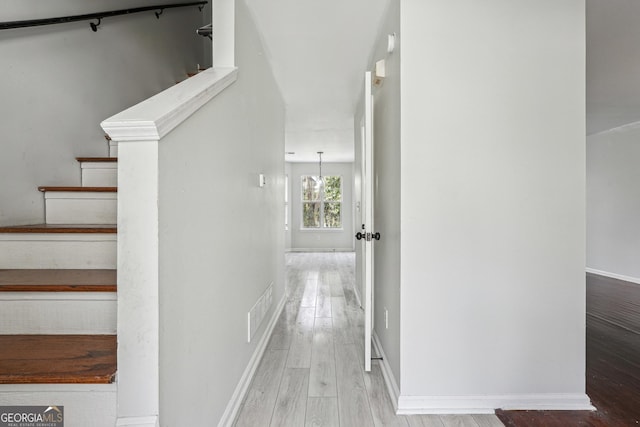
(321, 203)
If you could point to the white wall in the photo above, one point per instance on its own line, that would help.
(59, 82)
(613, 203)
(493, 203)
(321, 240)
(221, 236)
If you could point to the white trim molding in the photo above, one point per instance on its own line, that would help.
(320, 250)
(613, 275)
(155, 117)
(356, 292)
(387, 374)
(408, 405)
(152, 421)
(231, 411)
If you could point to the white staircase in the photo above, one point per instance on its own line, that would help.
(58, 301)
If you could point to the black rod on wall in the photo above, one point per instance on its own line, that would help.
(99, 16)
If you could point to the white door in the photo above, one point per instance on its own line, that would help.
(367, 235)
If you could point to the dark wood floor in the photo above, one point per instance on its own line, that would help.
(613, 362)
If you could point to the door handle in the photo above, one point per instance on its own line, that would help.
(367, 236)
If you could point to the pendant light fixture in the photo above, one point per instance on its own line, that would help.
(320, 180)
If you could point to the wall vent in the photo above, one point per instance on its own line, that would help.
(256, 315)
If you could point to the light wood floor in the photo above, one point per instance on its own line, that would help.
(312, 371)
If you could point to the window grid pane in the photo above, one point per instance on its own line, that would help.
(310, 188)
(311, 214)
(332, 215)
(333, 189)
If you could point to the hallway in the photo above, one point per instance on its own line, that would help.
(312, 371)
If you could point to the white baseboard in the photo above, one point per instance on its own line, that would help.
(356, 291)
(151, 421)
(408, 405)
(320, 250)
(231, 411)
(613, 275)
(387, 374)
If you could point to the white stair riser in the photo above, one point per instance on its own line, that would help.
(52, 313)
(84, 404)
(19, 250)
(81, 208)
(98, 174)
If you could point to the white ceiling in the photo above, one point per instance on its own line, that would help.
(613, 64)
(319, 51)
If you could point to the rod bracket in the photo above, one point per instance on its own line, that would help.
(94, 25)
(159, 13)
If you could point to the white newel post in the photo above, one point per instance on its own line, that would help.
(138, 309)
(138, 281)
(138, 132)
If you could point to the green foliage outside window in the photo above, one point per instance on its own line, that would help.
(311, 215)
(321, 203)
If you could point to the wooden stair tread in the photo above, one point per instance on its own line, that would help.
(97, 159)
(54, 280)
(79, 189)
(57, 359)
(61, 228)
